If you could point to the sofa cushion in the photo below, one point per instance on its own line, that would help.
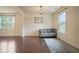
(47, 32)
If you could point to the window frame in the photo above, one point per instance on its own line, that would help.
(7, 23)
(59, 24)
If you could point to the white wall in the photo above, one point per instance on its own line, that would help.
(72, 26)
(17, 30)
(25, 26)
(31, 28)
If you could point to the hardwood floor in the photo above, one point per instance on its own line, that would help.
(23, 45)
(30, 44)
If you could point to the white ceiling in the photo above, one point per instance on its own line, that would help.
(36, 9)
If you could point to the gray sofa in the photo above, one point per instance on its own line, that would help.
(46, 33)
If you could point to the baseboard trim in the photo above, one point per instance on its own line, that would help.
(31, 36)
(67, 43)
(10, 36)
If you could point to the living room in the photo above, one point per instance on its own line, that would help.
(38, 29)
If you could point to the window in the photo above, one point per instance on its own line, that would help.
(6, 22)
(61, 22)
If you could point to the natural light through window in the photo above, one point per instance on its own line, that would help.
(6, 22)
(62, 22)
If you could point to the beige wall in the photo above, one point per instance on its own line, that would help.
(17, 30)
(24, 25)
(72, 26)
(31, 28)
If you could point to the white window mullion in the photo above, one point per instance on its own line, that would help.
(6, 22)
(61, 22)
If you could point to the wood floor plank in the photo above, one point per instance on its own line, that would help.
(22, 45)
(33, 44)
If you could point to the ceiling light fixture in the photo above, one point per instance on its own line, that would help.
(41, 11)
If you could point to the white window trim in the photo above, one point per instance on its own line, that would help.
(65, 21)
(13, 21)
